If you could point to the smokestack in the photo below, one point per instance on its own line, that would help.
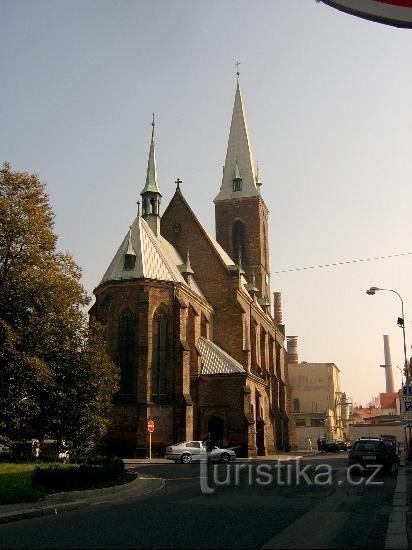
(388, 365)
(292, 346)
(277, 308)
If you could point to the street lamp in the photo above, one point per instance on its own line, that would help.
(401, 323)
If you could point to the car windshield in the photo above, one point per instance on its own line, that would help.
(368, 445)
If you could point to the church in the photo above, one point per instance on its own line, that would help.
(188, 318)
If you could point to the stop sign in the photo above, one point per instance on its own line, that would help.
(150, 425)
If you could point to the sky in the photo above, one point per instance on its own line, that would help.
(329, 108)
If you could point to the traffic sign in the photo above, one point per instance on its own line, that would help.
(407, 390)
(150, 426)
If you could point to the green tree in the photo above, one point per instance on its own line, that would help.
(53, 365)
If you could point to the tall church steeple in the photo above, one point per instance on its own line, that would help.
(151, 195)
(239, 163)
(240, 212)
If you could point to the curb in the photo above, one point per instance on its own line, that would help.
(73, 500)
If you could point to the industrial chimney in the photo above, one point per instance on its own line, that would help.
(277, 308)
(388, 365)
(292, 347)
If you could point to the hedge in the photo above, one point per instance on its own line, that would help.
(88, 474)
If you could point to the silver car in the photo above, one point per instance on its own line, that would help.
(195, 451)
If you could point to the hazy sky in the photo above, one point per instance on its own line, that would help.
(329, 108)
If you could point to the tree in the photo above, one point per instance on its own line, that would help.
(53, 365)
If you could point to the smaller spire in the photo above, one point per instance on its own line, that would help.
(151, 174)
(185, 268)
(258, 181)
(130, 256)
(251, 287)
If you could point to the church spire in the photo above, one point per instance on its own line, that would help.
(151, 194)
(239, 159)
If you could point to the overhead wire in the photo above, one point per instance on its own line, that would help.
(343, 262)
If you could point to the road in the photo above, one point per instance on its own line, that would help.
(261, 505)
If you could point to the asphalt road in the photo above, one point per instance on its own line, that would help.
(249, 505)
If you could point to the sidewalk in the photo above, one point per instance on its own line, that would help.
(62, 502)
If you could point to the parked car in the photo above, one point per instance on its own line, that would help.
(330, 446)
(342, 445)
(195, 451)
(4, 450)
(372, 451)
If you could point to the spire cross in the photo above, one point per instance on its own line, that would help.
(178, 182)
(237, 69)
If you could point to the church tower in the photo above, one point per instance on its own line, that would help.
(240, 212)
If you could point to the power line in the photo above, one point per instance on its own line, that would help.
(344, 262)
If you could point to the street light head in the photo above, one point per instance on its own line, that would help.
(370, 291)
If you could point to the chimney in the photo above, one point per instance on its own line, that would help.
(277, 308)
(388, 365)
(292, 346)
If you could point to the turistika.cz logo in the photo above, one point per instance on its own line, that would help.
(277, 473)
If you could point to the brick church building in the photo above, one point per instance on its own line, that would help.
(188, 318)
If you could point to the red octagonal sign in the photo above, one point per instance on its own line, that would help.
(150, 425)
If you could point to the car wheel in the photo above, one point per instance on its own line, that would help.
(225, 457)
(185, 459)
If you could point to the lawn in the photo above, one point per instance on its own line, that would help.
(16, 485)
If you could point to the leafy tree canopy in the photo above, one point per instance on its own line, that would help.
(55, 375)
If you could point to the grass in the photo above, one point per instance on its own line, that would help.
(16, 484)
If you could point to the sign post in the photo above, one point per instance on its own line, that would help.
(150, 429)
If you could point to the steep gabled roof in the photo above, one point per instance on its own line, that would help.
(155, 258)
(215, 360)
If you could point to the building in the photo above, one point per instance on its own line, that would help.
(375, 421)
(188, 318)
(320, 408)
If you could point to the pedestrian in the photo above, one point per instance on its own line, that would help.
(310, 443)
(319, 443)
(209, 442)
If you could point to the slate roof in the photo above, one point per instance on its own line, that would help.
(155, 258)
(216, 361)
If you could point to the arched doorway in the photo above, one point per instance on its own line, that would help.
(215, 426)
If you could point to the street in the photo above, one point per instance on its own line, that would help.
(253, 505)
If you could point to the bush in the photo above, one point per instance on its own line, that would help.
(87, 474)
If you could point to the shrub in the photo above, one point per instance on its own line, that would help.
(58, 478)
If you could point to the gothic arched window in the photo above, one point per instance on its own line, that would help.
(160, 352)
(239, 241)
(126, 351)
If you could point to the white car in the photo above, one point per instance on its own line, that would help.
(195, 451)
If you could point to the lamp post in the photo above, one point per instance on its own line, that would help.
(401, 323)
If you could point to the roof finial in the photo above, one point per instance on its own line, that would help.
(178, 182)
(237, 70)
(153, 125)
(138, 208)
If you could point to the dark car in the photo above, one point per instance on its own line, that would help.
(372, 451)
(331, 446)
(342, 446)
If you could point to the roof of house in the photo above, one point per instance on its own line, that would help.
(388, 400)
